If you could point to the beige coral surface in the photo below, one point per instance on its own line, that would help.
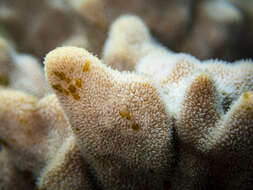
(174, 122)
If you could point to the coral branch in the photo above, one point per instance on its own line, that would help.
(110, 111)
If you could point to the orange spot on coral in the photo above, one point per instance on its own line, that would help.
(23, 121)
(77, 129)
(135, 126)
(86, 66)
(57, 87)
(246, 95)
(78, 83)
(66, 92)
(62, 76)
(125, 113)
(72, 90)
(75, 96)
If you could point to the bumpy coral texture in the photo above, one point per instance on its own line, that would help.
(173, 123)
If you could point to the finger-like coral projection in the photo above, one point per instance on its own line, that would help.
(21, 71)
(31, 129)
(120, 119)
(67, 170)
(31, 132)
(123, 41)
(174, 123)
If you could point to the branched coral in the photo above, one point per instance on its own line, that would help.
(174, 123)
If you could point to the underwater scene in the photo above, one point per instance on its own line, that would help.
(126, 94)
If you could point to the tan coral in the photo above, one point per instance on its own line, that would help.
(206, 29)
(246, 41)
(37, 140)
(216, 30)
(31, 130)
(200, 111)
(197, 95)
(67, 170)
(169, 19)
(10, 177)
(121, 123)
(128, 36)
(203, 98)
(53, 24)
(19, 129)
(21, 71)
(5, 58)
(181, 25)
(177, 123)
(230, 144)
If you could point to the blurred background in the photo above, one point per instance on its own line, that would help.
(204, 28)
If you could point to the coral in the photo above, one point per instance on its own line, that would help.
(52, 23)
(113, 115)
(10, 176)
(173, 123)
(246, 8)
(123, 41)
(214, 32)
(205, 29)
(21, 71)
(32, 131)
(67, 170)
(155, 13)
